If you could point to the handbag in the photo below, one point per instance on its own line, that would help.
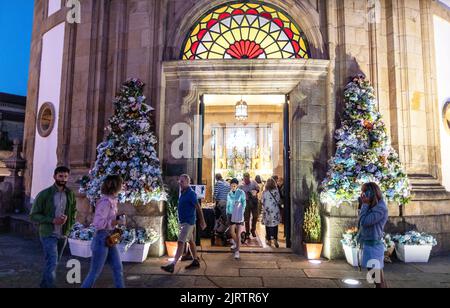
(115, 238)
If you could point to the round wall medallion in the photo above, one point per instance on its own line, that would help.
(446, 116)
(46, 120)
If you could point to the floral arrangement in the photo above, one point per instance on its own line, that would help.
(364, 152)
(349, 237)
(415, 238)
(138, 236)
(130, 236)
(80, 232)
(389, 244)
(128, 150)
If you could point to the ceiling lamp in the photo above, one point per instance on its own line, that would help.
(241, 110)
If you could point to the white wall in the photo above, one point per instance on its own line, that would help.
(442, 41)
(45, 160)
(53, 6)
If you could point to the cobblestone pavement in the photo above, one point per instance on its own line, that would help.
(21, 261)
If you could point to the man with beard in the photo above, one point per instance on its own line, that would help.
(54, 210)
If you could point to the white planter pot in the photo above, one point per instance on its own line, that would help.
(351, 254)
(80, 248)
(413, 253)
(137, 253)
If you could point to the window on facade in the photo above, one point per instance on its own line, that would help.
(446, 116)
(46, 120)
(245, 31)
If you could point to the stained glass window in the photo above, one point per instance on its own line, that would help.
(245, 30)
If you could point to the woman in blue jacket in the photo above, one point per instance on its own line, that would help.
(372, 219)
(235, 212)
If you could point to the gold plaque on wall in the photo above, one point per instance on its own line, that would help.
(446, 116)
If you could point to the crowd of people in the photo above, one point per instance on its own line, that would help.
(54, 210)
(245, 202)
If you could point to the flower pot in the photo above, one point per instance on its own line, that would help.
(413, 253)
(80, 248)
(137, 253)
(351, 254)
(171, 248)
(313, 251)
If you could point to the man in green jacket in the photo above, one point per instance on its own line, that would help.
(54, 210)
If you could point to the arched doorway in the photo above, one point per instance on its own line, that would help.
(246, 48)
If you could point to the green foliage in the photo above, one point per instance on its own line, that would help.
(312, 225)
(172, 217)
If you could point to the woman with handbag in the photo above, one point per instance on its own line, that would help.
(235, 211)
(104, 249)
(372, 219)
(271, 212)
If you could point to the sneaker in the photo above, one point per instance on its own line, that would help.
(187, 258)
(169, 268)
(233, 245)
(236, 255)
(194, 265)
(276, 244)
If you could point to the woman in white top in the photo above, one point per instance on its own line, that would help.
(271, 211)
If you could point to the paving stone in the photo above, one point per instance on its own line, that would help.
(307, 265)
(278, 282)
(334, 274)
(174, 281)
(272, 273)
(238, 282)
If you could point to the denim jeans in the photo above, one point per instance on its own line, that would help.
(53, 250)
(102, 254)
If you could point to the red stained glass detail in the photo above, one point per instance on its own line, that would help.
(238, 12)
(278, 22)
(289, 33)
(266, 15)
(252, 12)
(211, 23)
(201, 34)
(245, 50)
(194, 47)
(224, 15)
(296, 46)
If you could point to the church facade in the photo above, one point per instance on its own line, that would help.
(304, 50)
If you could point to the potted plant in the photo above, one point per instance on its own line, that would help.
(414, 246)
(172, 224)
(350, 246)
(80, 240)
(312, 227)
(135, 244)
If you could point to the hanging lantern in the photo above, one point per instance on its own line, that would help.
(241, 110)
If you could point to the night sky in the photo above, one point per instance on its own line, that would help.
(16, 22)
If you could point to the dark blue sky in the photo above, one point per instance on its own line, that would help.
(16, 23)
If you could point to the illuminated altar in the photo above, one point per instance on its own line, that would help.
(237, 150)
